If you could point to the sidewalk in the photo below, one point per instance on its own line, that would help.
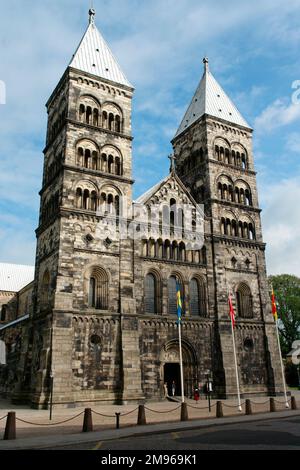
(36, 423)
(47, 442)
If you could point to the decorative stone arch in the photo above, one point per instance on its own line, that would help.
(87, 153)
(96, 295)
(88, 98)
(169, 363)
(110, 153)
(85, 184)
(244, 300)
(202, 294)
(221, 141)
(157, 290)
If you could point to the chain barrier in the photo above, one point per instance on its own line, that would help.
(129, 412)
(233, 406)
(260, 403)
(282, 402)
(200, 407)
(3, 417)
(103, 416)
(49, 424)
(168, 411)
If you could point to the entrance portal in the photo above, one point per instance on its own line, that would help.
(172, 374)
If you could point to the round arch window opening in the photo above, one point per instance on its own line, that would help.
(249, 344)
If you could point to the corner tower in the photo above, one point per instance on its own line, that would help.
(83, 280)
(213, 150)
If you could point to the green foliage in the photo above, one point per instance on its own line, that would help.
(287, 295)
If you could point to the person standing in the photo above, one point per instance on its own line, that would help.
(173, 387)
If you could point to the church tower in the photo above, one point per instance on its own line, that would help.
(84, 295)
(213, 150)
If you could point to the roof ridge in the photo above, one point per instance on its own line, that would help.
(94, 56)
(211, 99)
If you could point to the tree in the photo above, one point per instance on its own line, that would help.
(287, 294)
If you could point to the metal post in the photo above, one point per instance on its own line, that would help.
(208, 392)
(118, 420)
(180, 359)
(51, 395)
(282, 369)
(236, 368)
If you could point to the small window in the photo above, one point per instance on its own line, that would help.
(3, 312)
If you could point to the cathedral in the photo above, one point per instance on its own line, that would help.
(102, 325)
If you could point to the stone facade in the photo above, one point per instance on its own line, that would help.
(111, 349)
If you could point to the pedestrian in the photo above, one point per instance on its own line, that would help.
(166, 390)
(196, 394)
(173, 387)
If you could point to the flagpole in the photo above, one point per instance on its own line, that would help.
(281, 364)
(180, 361)
(274, 311)
(236, 368)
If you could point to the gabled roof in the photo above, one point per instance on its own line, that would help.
(94, 56)
(211, 99)
(144, 198)
(13, 277)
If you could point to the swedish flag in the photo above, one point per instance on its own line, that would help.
(179, 302)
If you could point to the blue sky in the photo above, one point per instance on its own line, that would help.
(254, 54)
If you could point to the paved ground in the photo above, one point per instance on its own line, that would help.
(35, 430)
(276, 434)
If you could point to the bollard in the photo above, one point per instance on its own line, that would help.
(141, 416)
(219, 412)
(87, 421)
(293, 403)
(184, 412)
(118, 420)
(248, 407)
(10, 427)
(272, 405)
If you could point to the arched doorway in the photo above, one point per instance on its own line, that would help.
(170, 367)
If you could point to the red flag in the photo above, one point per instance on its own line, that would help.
(231, 311)
(274, 307)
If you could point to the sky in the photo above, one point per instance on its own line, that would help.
(254, 54)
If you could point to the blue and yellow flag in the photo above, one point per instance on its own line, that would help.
(179, 302)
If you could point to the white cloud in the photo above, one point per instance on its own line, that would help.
(281, 224)
(278, 114)
(293, 142)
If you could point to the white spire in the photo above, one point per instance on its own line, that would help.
(94, 56)
(211, 99)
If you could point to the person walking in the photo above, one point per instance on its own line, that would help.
(173, 387)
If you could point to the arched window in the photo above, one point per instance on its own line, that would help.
(45, 288)
(95, 117)
(110, 164)
(88, 115)
(93, 201)
(3, 312)
(98, 289)
(79, 198)
(104, 119)
(172, 294)
(81, 112)
(194, 297)
(86, 199)
(150, 293)
(118, 124)
(244, 301)
(111, 120)
(118, 168)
